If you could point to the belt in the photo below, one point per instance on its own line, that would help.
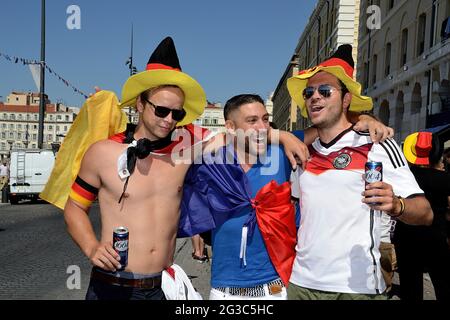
(273, 287)
(146, 283)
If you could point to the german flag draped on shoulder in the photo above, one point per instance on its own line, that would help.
(100, 118)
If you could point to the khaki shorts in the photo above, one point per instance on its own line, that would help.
(299, 293)
(388, 261)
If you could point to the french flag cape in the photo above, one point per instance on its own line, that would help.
(215, 192)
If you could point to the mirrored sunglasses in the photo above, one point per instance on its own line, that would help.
(325, 90)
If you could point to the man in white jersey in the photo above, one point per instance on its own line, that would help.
(339, 236)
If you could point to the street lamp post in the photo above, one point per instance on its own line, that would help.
(132, 68)
(42, 102)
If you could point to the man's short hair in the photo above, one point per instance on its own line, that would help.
(237, 101)
(144, 95)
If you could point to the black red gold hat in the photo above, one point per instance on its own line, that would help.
(164, 68)
(341, 65)
(421, 147)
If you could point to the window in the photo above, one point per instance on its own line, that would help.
(35, 127)
(19, 135)
(67, 118)
(12, 117)
(51, 118)
(59, 117)
(374, 69)
(4, 126)
(36, 117)
(391, 4)
(365, 76)
(387, 60)
(421, 34)
(404, 49)
(3, 135)
(34, 136)
(65, 128)
(11, 135)
(3, 146)
(11, 127)
(50, 128)
(5, 116)
(19, 127)
(20, 117)
(50, 137)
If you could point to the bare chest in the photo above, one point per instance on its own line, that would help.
(155, 176)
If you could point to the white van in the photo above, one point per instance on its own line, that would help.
(29, 171)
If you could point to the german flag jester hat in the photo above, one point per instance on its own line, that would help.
(164, 68)
(341, 65)
(422, 148)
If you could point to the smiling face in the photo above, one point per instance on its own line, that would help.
(150, 125)
(251, 120)
(326, 112)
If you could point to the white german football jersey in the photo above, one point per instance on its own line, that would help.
(339, 236)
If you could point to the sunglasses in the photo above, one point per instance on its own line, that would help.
(162, 112)
(325, 90)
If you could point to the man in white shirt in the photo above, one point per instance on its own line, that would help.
(338, 253)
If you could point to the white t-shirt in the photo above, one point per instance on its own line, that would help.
(339, 236)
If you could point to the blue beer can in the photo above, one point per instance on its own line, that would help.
(373, 172)
(120, 245)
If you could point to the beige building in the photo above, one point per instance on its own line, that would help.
(405, 64)
(332, 23)
(212, 118)
(25, 99)
(19, 122)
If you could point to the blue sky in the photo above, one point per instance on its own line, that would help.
(230, 47)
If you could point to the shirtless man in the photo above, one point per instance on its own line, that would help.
(152, 237)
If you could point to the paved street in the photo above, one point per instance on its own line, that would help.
(37, 251)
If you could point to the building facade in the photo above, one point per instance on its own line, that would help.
(404, 63)
(19, 123)
(332, 23)
(212, 118)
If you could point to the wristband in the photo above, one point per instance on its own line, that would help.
(402, 207)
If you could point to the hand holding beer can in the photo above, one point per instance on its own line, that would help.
(373, 173)
(120, 245)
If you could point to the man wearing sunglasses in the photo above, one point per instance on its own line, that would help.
(338, 239)
(133, 174)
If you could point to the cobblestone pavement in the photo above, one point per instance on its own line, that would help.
(37, 252)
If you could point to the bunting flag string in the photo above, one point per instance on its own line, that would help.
(25, 62)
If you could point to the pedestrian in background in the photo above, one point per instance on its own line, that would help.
(424, 248)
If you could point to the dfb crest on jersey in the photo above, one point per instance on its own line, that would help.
(342, 161)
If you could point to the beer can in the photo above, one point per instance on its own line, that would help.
(120, 244)
(373, 172)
